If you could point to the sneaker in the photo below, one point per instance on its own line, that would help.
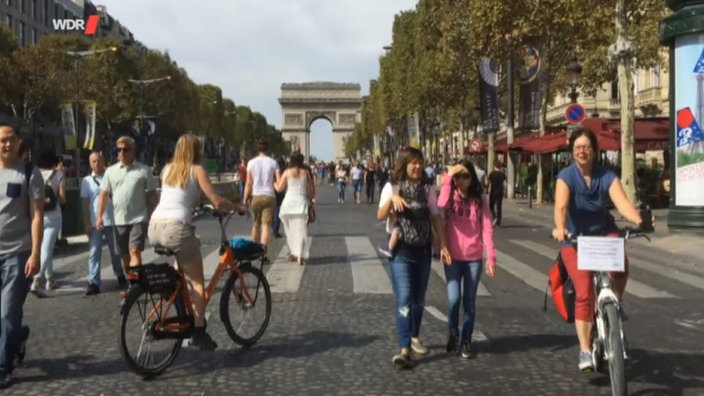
(467, 351)
(36, 285)
(384, 249)
(5, 380)
(50, 284)
(24, 336)
(418, 348)
(403, 362)
(92, 289)
(452, 343)
(495, 222)
(585, 362)
(202, 340)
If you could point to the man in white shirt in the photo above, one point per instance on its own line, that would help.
(90, 192)
(259, 193)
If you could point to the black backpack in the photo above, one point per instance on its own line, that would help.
(50, 198)
(414, 221)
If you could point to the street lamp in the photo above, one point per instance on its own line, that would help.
(141, 84)
(77, 56)
(464, 119)
(574, 71)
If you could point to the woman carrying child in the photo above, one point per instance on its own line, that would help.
(469, 233)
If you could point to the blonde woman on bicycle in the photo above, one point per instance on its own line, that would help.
(582, 191)
(171, 224)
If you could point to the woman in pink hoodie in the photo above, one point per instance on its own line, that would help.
(469, 234)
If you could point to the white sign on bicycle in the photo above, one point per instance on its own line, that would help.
(600, 254)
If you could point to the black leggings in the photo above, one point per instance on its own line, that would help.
(495, 202)
(370, 192)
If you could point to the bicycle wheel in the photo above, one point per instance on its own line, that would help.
(614, 351)
(246, 320)
(146, 353)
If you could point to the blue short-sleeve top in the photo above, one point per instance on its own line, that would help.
(588, 213)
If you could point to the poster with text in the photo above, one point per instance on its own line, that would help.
(689, 109)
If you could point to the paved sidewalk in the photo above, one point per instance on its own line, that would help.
(682, 247)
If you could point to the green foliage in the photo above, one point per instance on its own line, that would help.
(684, 159)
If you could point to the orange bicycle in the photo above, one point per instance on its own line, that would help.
(157, 314)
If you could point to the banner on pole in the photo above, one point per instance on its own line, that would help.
(89, 109)
(69, 126)
(529, 93)
(488, 97)
(413, 131)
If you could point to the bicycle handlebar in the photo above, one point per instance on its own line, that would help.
(625, 233)
(223, 217)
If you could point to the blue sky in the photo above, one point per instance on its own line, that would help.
(249, 48)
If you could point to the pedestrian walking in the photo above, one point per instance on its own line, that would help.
(342, 179)
(132, 187)
(356, 173)
(259, 193)
(55, 193)
(241, 177)
(90, 193)
(497, 188)
(300, 194)
(411, 204)
(279, 195)
(22, 219)
(370, 182)
(469, 234)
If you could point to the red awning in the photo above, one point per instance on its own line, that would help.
(554, 142)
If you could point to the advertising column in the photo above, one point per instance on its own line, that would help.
(683, 32)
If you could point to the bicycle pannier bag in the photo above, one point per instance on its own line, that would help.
(562, 289)
(159, 278)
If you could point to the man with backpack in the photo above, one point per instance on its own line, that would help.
(22, 219)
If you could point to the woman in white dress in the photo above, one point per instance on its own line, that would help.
(300, 194)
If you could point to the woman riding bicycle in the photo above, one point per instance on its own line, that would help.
(171, 223)
(581, 198)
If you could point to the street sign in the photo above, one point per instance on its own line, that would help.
(575, 113)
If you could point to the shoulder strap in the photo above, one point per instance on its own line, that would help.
(51, 175)
(28, 170)
(97, 183)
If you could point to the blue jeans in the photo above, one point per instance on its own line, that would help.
(96, 252)
(14, 291)
(409, 276)
(466, 273)
(241, 186)
(52, 226)
(341, 190)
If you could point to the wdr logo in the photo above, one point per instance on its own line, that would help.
(89, 26)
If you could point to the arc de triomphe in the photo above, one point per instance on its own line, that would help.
(303, 103)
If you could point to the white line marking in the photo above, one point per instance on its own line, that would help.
(634, 287)
(285, 276)
(368, 273)
(521, 271)
(477, 335)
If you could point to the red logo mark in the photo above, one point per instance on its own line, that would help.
(92, 24)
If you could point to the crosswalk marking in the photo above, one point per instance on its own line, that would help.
(368, 273)
(521, 271)
(437, 266)
(634, 287)
(477, 335)
(285, 276)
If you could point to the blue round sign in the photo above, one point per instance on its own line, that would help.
(575, 113)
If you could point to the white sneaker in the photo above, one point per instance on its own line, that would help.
(35, 285)
(585, 362)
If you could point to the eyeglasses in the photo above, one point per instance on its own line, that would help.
(465, 176)
(123, 149)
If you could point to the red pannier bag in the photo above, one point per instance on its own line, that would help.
(562, 290)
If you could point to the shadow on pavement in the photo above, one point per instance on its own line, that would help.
(76, 366)
(296, 346)
(670, 373)
(519, 343)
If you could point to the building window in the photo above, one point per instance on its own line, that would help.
(9, 20)
(9, 3)
(34, 36)
(23, 8)
(21, 39)
(47, 12)
(656, 76)
(33, 10)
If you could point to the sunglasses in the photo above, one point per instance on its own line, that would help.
(123, 149)
(465, 176)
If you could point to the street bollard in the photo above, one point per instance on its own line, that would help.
(530, 197)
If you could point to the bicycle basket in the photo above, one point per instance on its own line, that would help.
(158, 278)
(246, 249)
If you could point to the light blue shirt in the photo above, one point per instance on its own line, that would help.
(90, 191)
